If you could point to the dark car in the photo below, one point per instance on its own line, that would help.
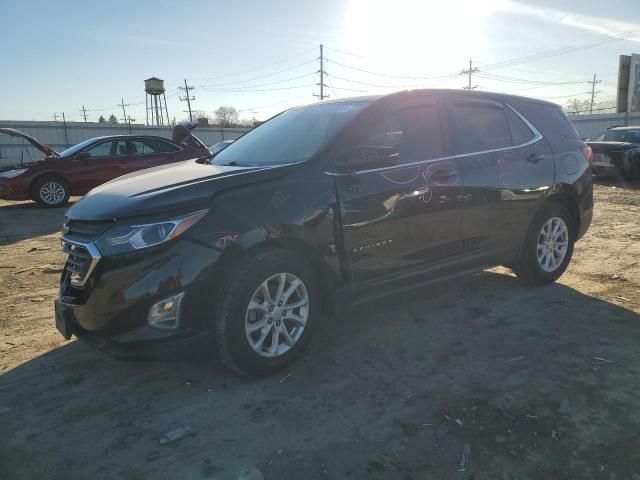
(78, 169)
(617, 148)
(336, 202)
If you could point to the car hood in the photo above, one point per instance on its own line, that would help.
(27, 165)
(47, 150)
(600, 147)
(166, 189)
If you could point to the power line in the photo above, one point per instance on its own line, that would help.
(293, 87)
(562, 51)
(260, 76)
(372, 84)
(264, 66)
(525, 81)
(214, 88)
(409, 77)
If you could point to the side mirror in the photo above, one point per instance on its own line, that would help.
(366, 157)
(81, 157)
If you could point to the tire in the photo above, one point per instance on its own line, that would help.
(535, 271)
(50, 191)
(234, 317)
(630, 169)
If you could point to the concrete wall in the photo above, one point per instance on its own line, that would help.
(59, 137)
(589, 126)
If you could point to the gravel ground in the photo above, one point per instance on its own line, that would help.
(539, 383)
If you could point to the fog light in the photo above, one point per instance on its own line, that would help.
(166, 313)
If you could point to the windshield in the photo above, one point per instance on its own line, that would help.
(293, 136)
(76, 148)
(631, 136)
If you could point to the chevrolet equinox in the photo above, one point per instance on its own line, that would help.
(335, 202)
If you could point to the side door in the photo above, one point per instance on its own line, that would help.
(400, 220)
(149, 152)
(507, 169)
(102, 162)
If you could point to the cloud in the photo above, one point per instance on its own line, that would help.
(602, 25)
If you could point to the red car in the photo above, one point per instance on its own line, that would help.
(51, 181)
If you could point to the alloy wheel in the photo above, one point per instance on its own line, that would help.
(277, 315)
(553, 243)
(52, 193)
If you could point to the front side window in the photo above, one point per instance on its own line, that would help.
(480, 126)
(410, 135)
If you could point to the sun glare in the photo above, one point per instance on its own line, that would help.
(416, 36)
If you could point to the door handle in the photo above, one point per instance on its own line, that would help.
(536, 157)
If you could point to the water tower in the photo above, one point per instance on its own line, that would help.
(154, 99)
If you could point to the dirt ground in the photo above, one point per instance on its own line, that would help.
(540, 383)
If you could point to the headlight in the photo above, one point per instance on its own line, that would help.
(13, 173)
(128, 238)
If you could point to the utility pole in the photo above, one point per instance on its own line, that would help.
(55, 117)
(124, 112)
(187, 97)
(322, 73)
(593, 92)
(66, 137)
(469, 72)
(84, 113)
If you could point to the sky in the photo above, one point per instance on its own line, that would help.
(262, 57)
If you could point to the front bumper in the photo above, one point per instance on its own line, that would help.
(110, 312)
(10, 190)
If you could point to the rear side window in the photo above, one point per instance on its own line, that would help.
(160, 146)
(150, 145)
(413, 134)
(480, 126)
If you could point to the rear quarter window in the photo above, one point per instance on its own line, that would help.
(549, 119)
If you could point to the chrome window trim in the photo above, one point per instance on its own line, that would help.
(95, 257)
(537, 136)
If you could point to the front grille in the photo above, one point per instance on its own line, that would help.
(81, 260)
(84, 231)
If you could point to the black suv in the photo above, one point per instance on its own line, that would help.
(617, 148)
(325, 204)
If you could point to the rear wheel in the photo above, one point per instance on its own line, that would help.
(266, 312)
(548, 246)
(630, 168)
(50, 191)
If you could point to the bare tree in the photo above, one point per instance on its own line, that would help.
(227, 116)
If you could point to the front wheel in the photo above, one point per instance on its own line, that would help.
(266, 312)
(548, 246)
(50, 191)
